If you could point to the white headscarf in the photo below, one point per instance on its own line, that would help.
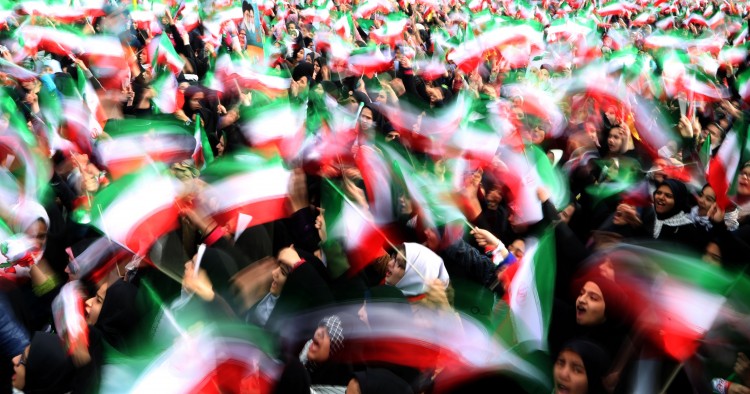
(421, 260)
(26, 213)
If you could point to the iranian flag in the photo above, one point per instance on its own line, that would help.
(60, 41)
(361, 238)
(368, 61)
(531, 292)
(734, 55)
(723, 168)
(137, 209)
(468, 54)
(162, 52)
(743, 85)
(677, 298)
(138, 142)
(203, 154)
(97, 115)
(165, 85)
(248, 184)
(368, 7)
(392, 31)
(619, 8)
(278, 123)
(344, 25)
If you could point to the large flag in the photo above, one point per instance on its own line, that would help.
(137, 209)
(248, 184)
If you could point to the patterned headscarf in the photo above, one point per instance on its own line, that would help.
(335, 332)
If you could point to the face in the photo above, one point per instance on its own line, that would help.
(279, 276)
(518, 248)
(38, 232)
(365, 119)
(569, 374)
(743, 183)
(663, 199)
(537, 135)
(494, 198)
(715, 134)
(220, 145)
(94, 305)
(590, 305)
(615, 140)
(381, 98)
(619, 218)
(543, 75)
(195, 101)
(706, 198)
(320, 349)
(712, 254)
(396, 270)
(405, 205)
(19, 369)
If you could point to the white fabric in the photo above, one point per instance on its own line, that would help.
(26, 213)
(730, 219)
(421, 262)
(680, 219)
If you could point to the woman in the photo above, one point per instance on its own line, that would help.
(579, 368)
(45, 367)
(198, 103)
(413, 268)
(112, 311)
(699, 213)
(671, 221)
(597, 315)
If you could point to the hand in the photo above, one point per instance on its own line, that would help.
(629, 214)
(716, 214)
(542, 194)
(198, 284)
(485, 238)
(320, 224)
(742, 367)
(436, 295)
(685, 127)
(736, 388)
(221, 110)
(289, 257)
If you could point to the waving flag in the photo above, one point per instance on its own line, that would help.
(162, 52)
(277, 123)
(246, 183)
(138, 142)
(137, 209)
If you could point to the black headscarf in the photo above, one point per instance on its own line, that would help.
(595, 360)
(303, 69)
(255, 243)
(680, 194)
(48, 367)
(118, 316)
(220, 267)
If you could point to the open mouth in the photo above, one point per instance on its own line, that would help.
(561, 389)
(580, 310)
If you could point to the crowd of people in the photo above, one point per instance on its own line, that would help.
(375, 196)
